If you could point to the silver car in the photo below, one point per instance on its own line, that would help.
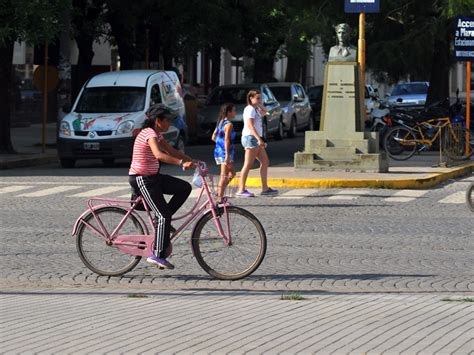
(297, 112)
(237, 94)
(408, 95)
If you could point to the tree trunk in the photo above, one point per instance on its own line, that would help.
(263, 70)
(293, 69)
(216, 65)
(304, 72)
(126, 52)
(84, 60)
(125, 41)
(439, 78)
(167, 60)
(6, 57)
(205, 71)
(64, 67)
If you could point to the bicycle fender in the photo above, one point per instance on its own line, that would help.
(78, 222)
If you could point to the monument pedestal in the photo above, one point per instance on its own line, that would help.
(341, 144)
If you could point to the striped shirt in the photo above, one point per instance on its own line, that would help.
(143, 161)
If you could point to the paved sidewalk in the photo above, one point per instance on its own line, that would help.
(200, 322)
(28, 145)
(418, 172)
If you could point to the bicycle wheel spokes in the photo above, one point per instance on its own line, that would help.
(400, 143)
(238, 259)
(96, 253)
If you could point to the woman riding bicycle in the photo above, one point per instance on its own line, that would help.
(149, 149)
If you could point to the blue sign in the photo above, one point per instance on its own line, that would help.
(358, 6)
(464, 38)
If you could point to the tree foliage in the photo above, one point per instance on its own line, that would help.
(33, 21)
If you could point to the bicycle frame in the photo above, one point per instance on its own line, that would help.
(418, 131)
(142, 244)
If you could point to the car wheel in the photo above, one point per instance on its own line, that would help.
(67, 163)
(292, 131)
(180, 144)
(279, 133)
(108, 162)
(265, 129)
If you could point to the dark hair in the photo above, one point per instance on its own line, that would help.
(225, 109)
(251, 94)
(157, 112)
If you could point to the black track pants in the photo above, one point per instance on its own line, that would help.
(152, 188)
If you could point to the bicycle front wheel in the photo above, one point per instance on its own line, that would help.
(400, 143)
(94, 251)
(242, 256)
(470, 198)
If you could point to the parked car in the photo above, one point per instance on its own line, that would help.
(315, 94)
(110, 110)
(411, 95)
(295, 106)
(237, 94)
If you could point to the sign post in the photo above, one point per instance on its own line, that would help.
(464, 51)
(361, 7)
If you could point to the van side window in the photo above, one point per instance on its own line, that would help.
(155, 95)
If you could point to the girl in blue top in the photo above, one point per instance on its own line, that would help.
(224, 136)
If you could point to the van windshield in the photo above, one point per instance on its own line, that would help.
(111, 99)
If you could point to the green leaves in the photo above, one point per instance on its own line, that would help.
(33, 21)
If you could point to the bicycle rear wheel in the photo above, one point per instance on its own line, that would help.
(237, 260)
(470, 198)
(96, 254)
(400, 143)
(455, 143)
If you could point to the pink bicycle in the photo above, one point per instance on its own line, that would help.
(228, 242)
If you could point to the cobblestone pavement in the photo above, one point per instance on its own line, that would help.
(232, 322)
(318, 240)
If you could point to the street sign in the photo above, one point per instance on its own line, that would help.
(464, 38)
(38, 78)
(362, 6)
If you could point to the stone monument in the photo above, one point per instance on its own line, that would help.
(341, 144)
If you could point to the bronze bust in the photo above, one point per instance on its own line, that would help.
(343, 51)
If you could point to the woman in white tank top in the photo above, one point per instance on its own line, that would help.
(254, 145)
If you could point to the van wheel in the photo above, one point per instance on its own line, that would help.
(67, 163)
(180, 144)
(292, 131)
(108, 162)
(279, 133)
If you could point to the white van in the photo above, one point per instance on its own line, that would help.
(109, 112)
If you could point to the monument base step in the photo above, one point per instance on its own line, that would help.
(357, 163)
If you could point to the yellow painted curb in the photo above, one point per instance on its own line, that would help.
(415, 183)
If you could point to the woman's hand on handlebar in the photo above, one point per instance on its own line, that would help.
(189, 165)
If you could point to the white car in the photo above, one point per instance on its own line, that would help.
(295, 105)
(110, 110)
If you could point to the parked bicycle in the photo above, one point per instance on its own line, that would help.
(409, 137)
(228, 242)
(470, 198)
